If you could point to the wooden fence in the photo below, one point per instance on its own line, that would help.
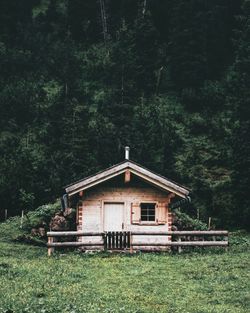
(126, 240)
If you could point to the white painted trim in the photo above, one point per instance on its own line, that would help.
(147, 175)
(162, 186)
(97, 182)
(157, 178)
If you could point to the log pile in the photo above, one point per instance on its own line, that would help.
(61, 221)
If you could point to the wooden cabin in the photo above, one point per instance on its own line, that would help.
(124, 198)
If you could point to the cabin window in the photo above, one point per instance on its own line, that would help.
(148, 212)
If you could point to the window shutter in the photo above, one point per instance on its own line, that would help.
(135, 213)
(161, 210)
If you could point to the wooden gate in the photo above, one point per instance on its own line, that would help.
(116, 240)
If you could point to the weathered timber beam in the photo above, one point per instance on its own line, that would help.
(185, 243)
(170, 243)
(92, 181)
(168, 233)
(201, 232)
(184, 233)
(160, 184)
(72, 233)
(158, 178)
(73, 244)
(127, 176)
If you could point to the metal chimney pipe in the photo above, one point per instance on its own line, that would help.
(127, 152)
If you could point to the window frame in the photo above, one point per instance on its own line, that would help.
(147, 222)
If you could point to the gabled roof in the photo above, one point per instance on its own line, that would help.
(147, 175)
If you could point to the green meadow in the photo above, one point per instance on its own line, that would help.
(209, 280)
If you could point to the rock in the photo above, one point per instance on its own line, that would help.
(68, 212)
(38, 232)
(41, 231)
(34, 232)
(59, 222)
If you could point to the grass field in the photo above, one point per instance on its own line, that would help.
(207, 281)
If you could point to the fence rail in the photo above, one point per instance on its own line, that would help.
(126, 240)
(167, 233)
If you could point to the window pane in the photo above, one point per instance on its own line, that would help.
(148, 212)
(151, 218)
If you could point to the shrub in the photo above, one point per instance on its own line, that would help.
(14, 229)
(185, 222)
(41, 216)
(11, 228)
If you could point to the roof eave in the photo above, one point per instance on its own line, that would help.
(136, 169)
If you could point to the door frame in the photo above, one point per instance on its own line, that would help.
(111, 201)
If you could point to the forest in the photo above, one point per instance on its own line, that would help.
(81, 79)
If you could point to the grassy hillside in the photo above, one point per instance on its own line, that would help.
(208, 281)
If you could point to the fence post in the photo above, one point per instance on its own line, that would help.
(179, 247)
(22, 216)
(5, 214)
(227, 239)
(131, 242)
(105, 241)
(209, 223)
(50, 249)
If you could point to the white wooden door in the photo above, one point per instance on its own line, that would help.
(113, 216)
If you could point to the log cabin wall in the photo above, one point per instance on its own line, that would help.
(91, 210)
